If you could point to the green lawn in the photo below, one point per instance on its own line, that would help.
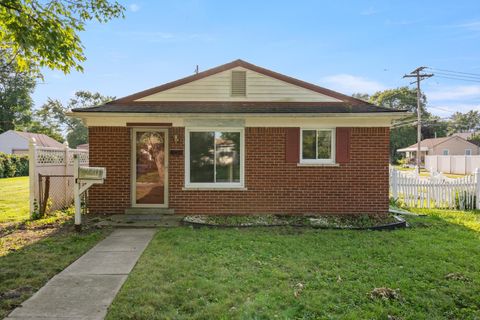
(425, 173)
(14, 199)
(287, 273)
(31, 255)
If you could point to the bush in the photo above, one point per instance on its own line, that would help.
(12, 165)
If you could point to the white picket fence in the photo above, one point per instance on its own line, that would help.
(56, 166)
(452, 164)
(436, 191)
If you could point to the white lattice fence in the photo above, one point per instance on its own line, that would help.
(51, 169)
(436, 191)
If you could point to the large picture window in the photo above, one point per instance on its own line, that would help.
(318, 146)
(214, 158)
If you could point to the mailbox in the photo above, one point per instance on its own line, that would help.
(91, 173)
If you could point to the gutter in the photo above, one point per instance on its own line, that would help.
(391, 115)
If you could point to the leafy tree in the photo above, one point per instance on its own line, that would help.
(53, 114)
(403, 98)
(434, 126)
(464, 122)
(475, 138)
(361, 96)
(15, 90)
(45, 33)
(52, 131)
(404, 132)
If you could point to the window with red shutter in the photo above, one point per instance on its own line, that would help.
(317, 146)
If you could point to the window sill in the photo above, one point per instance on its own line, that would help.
(318, 164)
(214, 189)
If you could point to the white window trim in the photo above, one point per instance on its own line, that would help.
(329, 161)
(214, 185)
(469, 152)
(443, 152)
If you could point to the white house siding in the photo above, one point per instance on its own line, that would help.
(10, 141)
(259, 88)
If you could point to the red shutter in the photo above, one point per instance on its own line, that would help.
(343, 145)
(292, 147)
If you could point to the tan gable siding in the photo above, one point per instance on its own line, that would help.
(259, 88)
(455, 146)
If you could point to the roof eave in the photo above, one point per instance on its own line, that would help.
(83, 114)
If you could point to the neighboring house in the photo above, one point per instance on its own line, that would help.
(16, 142)
(240, 139)
(468, 136)
(464, 135)
(452, 145)
(83, 146)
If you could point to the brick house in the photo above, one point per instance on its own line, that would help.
(240, 139)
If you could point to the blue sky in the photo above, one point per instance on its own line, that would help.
(349, 46)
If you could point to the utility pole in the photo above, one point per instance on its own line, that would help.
(419, 77)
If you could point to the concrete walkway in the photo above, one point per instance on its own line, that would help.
(86, 288)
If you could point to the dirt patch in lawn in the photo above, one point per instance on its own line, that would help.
(16, 235)
(32, 252)
(313, 221)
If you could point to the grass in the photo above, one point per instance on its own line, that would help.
(425, 173)
(33, 252)
(14, 199)
(286, 273)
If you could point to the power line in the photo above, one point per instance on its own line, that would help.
(452, 71)
(443, 109)
(460, 79)
(457, 75)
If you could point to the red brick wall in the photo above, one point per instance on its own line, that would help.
(273, 186)
(110, 148)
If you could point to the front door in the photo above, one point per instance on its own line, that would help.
(149, 168)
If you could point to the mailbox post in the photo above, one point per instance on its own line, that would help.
(84, 178)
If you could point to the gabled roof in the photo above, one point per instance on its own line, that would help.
(41, 139)
(427, 144)
(464, 135)
(342, 104)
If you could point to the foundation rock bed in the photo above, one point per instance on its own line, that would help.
(362, 222)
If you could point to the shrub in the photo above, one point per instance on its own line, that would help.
(12, 165)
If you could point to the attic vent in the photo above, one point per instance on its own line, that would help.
(239, 83)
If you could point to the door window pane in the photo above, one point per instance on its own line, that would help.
(308, 144)
(324, 144)
(202, 157)
(227, 156)
(150, 167)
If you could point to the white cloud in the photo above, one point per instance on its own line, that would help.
(348, 84)
(472, 26)
(447, 109)
(368, 12)
(454, 93)
(134, 7)
(159, 36)
(403, 22)
(445, 100)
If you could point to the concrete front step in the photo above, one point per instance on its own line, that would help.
(149, 211)
(139, 224)
(145, 218)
